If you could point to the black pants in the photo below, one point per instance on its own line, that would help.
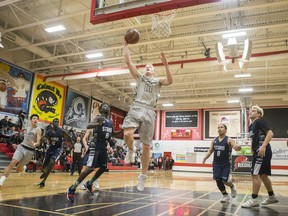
(77, 160)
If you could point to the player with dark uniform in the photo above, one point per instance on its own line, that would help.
(260, 135)
(55, 135)
(222, 147)
(97, 152)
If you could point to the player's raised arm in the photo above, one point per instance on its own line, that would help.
(131, 66)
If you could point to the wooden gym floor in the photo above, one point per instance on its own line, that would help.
(166, 193)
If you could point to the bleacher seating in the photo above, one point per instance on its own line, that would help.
(121, 166)
(6, 150)
(110, 166)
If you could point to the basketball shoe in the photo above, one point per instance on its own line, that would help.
(89, 188)
(41, 185)
(225, 199)
(141, 181)
(250, 203)
(270, 200)
(130, 157)
(233, 191)
(70, 194)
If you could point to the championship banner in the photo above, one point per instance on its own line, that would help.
(117, 115)
(95, 109)
(230, 118)
(76, 110)
(48, 100)
(15, 88)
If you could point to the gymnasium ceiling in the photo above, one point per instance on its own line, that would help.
(199, 82)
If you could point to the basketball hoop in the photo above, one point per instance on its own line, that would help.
(161, 24)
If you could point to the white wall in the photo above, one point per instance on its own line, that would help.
(184, 147)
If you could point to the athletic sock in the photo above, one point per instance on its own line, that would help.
(254, 196)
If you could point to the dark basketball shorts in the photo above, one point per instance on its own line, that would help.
(52, 154)
(222, 172)
(266, 163)
(98, 159)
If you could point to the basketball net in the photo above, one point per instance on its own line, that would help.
(161, 24)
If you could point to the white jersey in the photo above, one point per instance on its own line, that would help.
(30, 137)
(148, 91)
(77, 148)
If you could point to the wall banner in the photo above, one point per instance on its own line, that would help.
(242, 163)
(48, 100)
(230, 118)
(201, 149)
(15, 88)
(279, 154)
(180, 158)
(95, 109)
(76, 112)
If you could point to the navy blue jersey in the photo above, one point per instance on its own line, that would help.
(55, 137)
(102, 133)
(222, 151)
(257, 132)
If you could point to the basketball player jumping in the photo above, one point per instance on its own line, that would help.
(142, 114)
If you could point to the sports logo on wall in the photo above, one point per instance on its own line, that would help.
(76, 110)
(48, 100)
(15, 87)
(241, 163)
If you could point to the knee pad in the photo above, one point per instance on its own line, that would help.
(220, 184)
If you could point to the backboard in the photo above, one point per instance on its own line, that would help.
(110, 10)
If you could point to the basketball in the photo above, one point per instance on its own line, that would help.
(132, 36)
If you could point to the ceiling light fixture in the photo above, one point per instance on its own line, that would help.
(94, 55)
(80, 76)
(88, 74)
(242, 75)
(233, 101)
(112, 72)
(133, 84)
(233, 34)
(245, 90)
(232, 41)
(55, 29)
(167, 104)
